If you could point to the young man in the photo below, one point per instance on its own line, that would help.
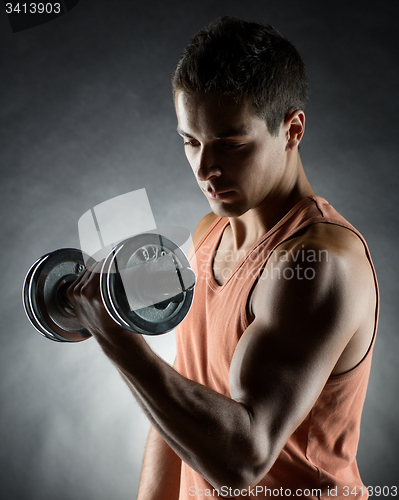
(273, 359)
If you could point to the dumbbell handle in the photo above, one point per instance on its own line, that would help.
(62, 298)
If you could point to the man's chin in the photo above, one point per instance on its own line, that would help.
(227, 209)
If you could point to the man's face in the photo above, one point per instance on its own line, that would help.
(236, 162)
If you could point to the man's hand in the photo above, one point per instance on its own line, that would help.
(84, 294)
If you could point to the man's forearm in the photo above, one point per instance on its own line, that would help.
(160, 475)
(210, 432)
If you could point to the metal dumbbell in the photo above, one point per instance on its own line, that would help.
(146, 285)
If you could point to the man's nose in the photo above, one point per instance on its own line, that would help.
(207, 165)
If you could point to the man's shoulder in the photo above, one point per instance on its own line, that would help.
(323, 258)
(326, 239)
(203, 226)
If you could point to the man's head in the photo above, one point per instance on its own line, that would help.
(246, 61)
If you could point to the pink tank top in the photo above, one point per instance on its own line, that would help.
(319, 459)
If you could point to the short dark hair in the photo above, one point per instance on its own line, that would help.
(246, 60)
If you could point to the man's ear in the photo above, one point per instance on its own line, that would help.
(295, 128)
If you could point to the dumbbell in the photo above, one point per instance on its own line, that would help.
(146, 285)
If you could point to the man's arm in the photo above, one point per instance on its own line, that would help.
(160, 475)
(279, 368)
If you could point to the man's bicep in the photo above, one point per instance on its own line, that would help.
(286, 355)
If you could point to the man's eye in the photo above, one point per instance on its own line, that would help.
(190, 143)
(232, 146)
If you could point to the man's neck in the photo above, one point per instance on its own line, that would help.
(247, 229)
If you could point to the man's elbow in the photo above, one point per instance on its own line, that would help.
(244, 473)
(235, 483)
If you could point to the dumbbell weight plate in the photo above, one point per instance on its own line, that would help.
(153, 319)
(44, 305)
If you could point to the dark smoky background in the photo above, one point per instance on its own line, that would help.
(87, 115)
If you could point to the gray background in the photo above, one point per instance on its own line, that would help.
(86, 115)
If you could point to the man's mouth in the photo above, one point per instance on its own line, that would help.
(218, 195)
